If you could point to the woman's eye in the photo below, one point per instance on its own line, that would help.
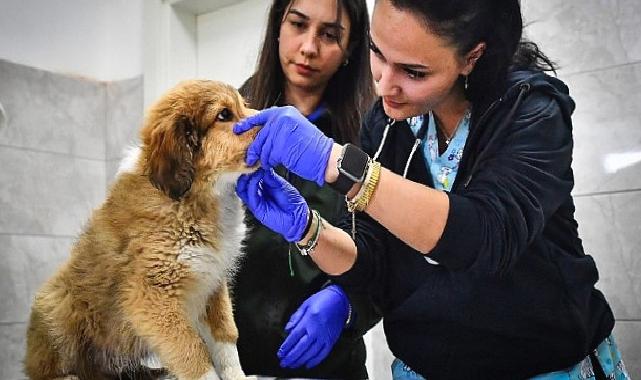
(297, 24)
(413, 74)
(224, 115)
(330, 36)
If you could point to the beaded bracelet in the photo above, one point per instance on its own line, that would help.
(313, 241)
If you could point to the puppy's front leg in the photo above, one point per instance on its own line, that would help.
(167, 329)
(223, 329)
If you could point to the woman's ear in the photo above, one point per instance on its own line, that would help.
(171, 158)
(472, 56)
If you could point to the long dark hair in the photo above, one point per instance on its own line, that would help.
(498, 23)
(350, 91)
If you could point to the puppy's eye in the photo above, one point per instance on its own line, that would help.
(224, 115)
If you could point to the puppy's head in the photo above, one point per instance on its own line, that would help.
(187, 136)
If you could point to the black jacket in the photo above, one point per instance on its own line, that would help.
(265, 295)
(514, 293)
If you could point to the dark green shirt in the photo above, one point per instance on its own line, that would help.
(266, 294)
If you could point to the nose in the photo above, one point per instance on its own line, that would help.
(309, 47)
(385, 81)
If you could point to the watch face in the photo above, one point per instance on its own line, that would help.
(354, 163)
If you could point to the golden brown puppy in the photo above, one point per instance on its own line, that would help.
(147, 277)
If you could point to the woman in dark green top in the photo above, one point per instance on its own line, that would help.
(314, 57)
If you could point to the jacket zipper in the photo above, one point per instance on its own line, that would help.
(523, 89)
(485, 114)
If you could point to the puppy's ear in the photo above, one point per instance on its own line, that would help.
(171, 159)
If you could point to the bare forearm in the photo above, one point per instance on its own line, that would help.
(335, 252)
(330, 247)
(414, 213)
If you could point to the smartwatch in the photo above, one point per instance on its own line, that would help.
(352, 167)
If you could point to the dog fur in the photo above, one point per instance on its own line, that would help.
(148, 275)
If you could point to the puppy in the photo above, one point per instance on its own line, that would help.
(148, 275)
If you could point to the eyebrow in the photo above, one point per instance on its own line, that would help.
(302, 15)
(410, 66)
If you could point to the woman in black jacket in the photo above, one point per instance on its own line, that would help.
(314, 57)
(466, 237)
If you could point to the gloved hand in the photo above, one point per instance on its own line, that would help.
(274, 202)
(289, 139)
(314, 328)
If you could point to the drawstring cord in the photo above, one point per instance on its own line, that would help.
(417, 142)
(420, 136)
(389, 123)
(407, 164)
(289, 244)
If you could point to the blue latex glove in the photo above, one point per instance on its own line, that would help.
(289, 139)
(274, 202)
(314, 328)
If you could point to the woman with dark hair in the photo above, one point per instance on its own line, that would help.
(315, 58)
(346, 90)
(462, 227)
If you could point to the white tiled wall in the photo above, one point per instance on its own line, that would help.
(597, 44)
(57, 152)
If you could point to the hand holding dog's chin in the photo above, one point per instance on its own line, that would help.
(287, 138)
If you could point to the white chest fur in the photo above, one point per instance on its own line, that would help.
(231, 215)
(212, 267)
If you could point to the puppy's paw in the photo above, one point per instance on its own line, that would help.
(226, 361)
(233, 373)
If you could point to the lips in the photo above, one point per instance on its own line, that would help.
(304, 69)
(392, 103)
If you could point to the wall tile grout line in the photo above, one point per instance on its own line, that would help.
(597, 69)
(106, 129)
(606, 193)
(3, 323)
(38, 235)
(67, 155)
